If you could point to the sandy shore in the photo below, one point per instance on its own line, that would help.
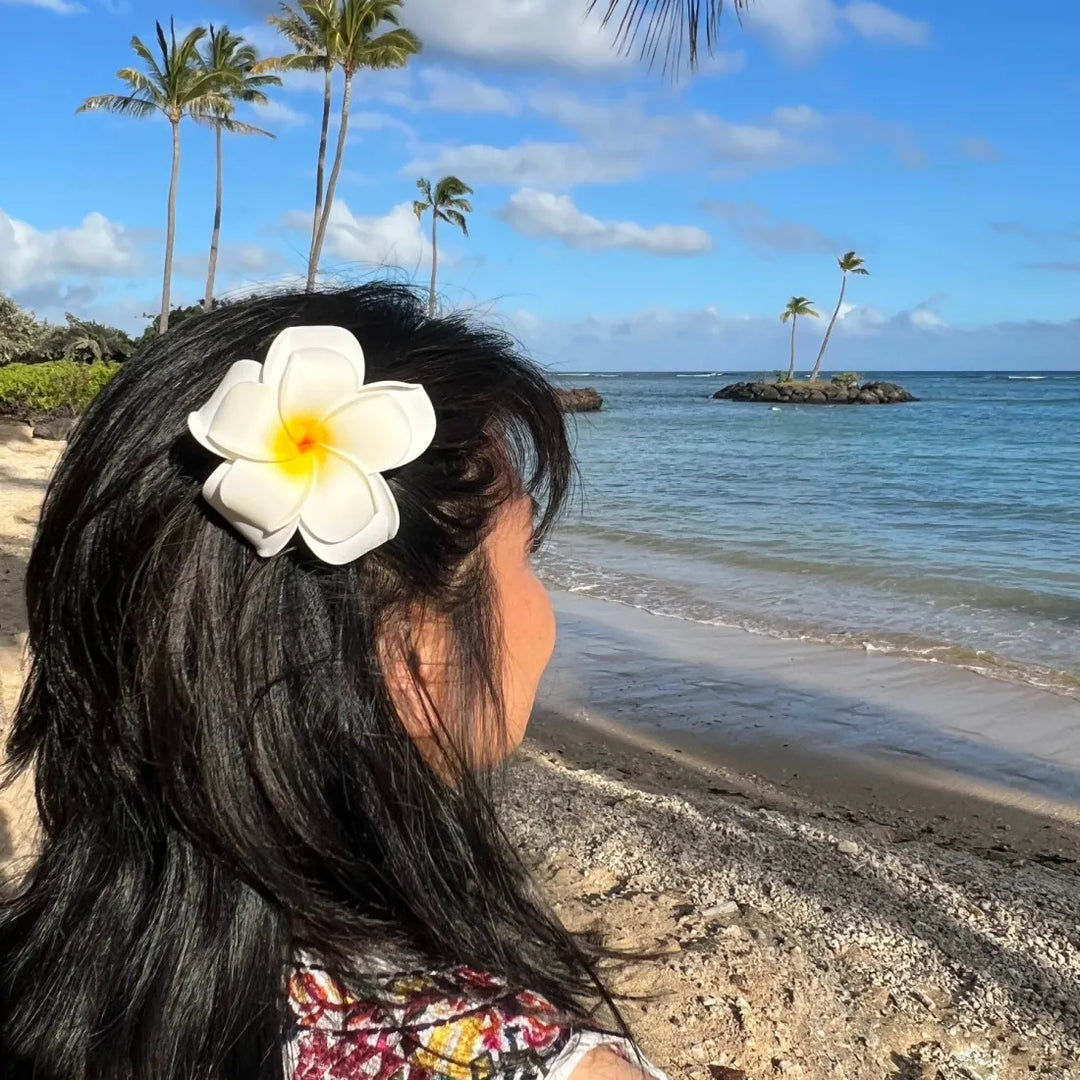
(850, 866)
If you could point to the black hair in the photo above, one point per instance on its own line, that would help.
(222, 779)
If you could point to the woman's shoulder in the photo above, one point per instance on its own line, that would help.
(455, 1025)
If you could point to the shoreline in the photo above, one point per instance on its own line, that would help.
(726, 687)
(689, 599)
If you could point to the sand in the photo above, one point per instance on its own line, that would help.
(848, 865)
(25, 465)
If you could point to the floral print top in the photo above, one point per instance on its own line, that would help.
(462, 1025)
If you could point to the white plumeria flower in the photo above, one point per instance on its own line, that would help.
(306, 442)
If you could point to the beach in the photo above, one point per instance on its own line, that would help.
(846, 863)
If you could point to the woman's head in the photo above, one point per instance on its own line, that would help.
(239, 757)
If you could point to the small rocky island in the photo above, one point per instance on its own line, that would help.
(584, 399)
(836, 392)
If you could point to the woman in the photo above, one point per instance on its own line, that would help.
(283, 627)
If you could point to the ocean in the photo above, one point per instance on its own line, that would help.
(947, 530)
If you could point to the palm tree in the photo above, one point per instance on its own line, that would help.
(310, 30)
(671, 29)
(355, 44)
(796, 306)
(234, 62)
(448, 201)
(849, 263)
(178, 86)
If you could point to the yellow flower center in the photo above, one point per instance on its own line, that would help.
(300, 445)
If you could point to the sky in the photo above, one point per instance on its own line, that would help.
(623, 219)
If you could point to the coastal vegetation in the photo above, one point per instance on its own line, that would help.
(849, 263)
(234, 62)
(180, 87)
(796, 306)
(448, 200)
(52, 390)
(349, 36)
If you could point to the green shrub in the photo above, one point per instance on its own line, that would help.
(846, 380)
(84, 340)
(19, 331)
(31, 392)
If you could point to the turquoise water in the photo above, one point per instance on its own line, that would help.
(948, 529)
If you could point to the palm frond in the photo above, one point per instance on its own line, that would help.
(209, 108)
(294, 27)
(449, 189)
(142, 84)
(454, 217)
(238, 127)
(425, 189)
(394, 49)
(420, 208)
(118, 103)
(147, 57)
(669, 29)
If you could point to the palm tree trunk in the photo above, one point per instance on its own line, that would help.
(215, 236)
(791, 370)
(320, 174)
(331, 187)
(434, 259)
(170, 231)
(828, 331)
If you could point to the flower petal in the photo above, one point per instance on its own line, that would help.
(264, 494)
(414, 401)
(386, 426)
(265, 544)
(315, 383)
(294, 339)
(340, 503)
(382, 527)
(248, 425)
(199, 422)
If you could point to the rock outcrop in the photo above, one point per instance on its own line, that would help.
(583, 399)
(816, 393)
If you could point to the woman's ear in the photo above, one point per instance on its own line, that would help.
(415, 657)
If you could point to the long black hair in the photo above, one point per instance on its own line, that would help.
(222, 780)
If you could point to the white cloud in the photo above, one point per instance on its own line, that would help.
(540, 213)
(722, 63)
(801, 28)
(232, 259)
(453, 92)
(60, 7)
(876, 21)
(926, 318)
(539, 33)
(33, 259)
(756, 227)
(275, 113)
(797, 27)
(392, 239)
(797, 116)
(709, 340)
(546, 164)
(622, 141)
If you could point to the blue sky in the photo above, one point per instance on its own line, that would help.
(621, 221)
